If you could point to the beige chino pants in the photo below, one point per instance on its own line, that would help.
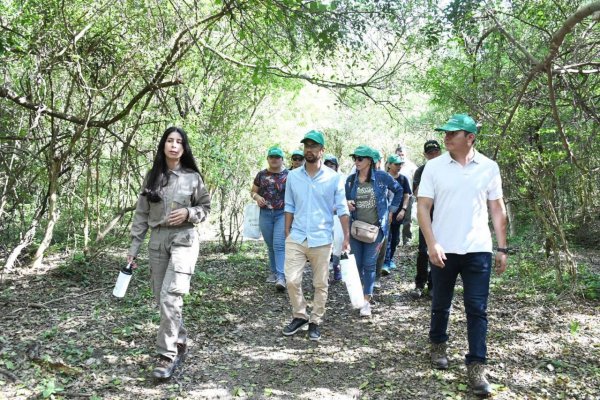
(173, 252)
(295, 260)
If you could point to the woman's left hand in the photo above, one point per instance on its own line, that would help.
(178, 217)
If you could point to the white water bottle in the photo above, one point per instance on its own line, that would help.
(123, 281)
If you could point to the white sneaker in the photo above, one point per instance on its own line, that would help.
(365, 310)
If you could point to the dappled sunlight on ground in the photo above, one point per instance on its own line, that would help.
(74, 335)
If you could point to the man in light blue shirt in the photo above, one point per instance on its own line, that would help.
(312, 193)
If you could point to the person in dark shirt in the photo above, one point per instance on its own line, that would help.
(431, 150)
(394, 164)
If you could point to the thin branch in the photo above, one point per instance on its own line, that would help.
(41, 109)
(556, 115)
(532, 60)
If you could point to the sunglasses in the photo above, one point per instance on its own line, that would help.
(358, 158)
(274, 157)
(297, 158)
(398, 164)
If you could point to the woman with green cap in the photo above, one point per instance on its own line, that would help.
(268, 190)
(297, 159)
(366, 192)
(394, 163)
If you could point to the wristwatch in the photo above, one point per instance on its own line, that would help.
(502, 249)
(403, 209)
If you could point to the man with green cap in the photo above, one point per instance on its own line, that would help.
(313, 192)
(463, 184)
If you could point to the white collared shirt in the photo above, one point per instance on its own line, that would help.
(460, 195)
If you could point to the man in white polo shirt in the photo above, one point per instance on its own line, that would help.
(462, 184)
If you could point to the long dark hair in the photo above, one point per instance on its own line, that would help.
(158, 177)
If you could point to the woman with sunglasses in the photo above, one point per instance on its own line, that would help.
(394, 163)
(268, 190)
(173, 199)
(297, 159)
(366, 192)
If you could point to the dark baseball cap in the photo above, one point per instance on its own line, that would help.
(431, 145)
(331, 158)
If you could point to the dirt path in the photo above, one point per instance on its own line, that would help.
(63, 335)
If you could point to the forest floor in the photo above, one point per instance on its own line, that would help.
(63, 335)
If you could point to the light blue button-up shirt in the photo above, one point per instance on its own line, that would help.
(313, 201)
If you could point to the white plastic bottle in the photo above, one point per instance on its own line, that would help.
(123, 281)
(352, 280)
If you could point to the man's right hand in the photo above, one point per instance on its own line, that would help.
(351, 205)
(437, 255)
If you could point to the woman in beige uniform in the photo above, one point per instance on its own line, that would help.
(173, 199)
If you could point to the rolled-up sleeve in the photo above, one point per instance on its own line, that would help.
(200, 203)
(341, 205)
(290, 205)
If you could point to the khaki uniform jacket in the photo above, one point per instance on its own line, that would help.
(184, 190)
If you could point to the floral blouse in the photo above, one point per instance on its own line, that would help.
(271, 186)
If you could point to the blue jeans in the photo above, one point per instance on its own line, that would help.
(366, 261)
(272, 227)
(475, 270)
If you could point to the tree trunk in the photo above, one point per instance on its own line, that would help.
(86, 196)
(53, 212)
(25, 242)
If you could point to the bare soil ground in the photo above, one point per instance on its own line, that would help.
(63, 335)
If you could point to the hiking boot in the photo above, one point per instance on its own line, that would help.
(439, 359)
(416, 293)
(280, 284)
(479, 384)
(313, 332)
(164, 368)
(365, 310)
(272, 278)
(294, 326)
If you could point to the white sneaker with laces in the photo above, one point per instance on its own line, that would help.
(365, 310)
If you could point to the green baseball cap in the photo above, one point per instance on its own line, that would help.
(298, 153)
(363, 151)
(275, 151)
(376, 155)
(459, 122)
(395, 159)
(315, 136)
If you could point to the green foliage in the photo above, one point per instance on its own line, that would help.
(49, 388)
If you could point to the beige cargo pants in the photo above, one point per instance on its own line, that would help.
(173, 252)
